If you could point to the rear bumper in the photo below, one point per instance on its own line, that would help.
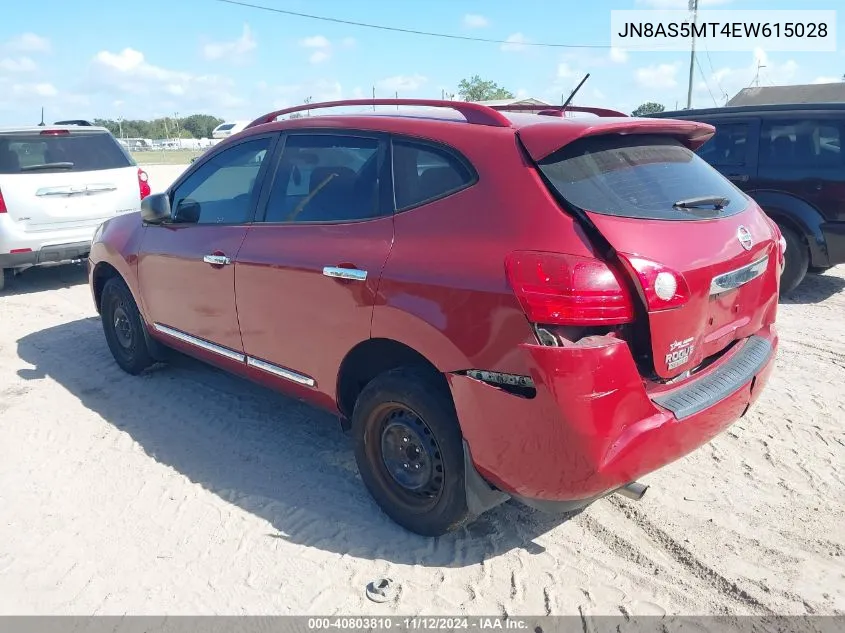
(834, 237)
(53, 253)
(592, 426)
(19, 247)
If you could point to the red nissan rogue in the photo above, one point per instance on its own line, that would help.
(532, 306)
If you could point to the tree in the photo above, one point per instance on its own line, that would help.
(478, 89)
(194, 126)
(648, 108)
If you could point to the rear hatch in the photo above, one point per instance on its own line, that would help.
(65, 178)
(697, 251)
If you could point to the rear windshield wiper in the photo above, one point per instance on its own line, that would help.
(40, 166)
(718, 202)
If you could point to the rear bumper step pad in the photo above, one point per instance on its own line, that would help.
(721, 383)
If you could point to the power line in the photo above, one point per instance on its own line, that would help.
(395, 29)
(706, 85)
(715, 75)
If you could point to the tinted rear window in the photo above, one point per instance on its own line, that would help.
(225, 126)
(34, 153)
(638, 176)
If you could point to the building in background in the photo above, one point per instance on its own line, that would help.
(807, 93)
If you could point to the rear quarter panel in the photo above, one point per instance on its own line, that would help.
(444, 291)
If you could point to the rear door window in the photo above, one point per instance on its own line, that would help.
(326, 178)
(803, 143)
(35, 152)
(638, 176)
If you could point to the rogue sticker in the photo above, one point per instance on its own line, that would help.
(680, 353)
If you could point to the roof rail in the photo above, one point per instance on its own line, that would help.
(474, 113)
(559, 110)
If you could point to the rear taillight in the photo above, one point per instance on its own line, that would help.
(663, 288)
(558, 289)
(3, 208)
(143, 183)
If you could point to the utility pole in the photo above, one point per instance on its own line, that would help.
(693, 5)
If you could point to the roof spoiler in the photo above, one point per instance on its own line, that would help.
(475, 113)
(82, 122)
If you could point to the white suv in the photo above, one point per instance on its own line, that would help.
(57, 184)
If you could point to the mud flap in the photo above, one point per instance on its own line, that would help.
(481, 497)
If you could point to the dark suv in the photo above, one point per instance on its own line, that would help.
(789, 159)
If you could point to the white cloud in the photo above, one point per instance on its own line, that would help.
(294, 94)
(657, 76)
(315, 41)
(475, 21)
(34, 90)
(323, 47)
(128, 74)
(18, 65)
(28, 43)
(827, 80)
(318, 57)
(680, 4)
(727, 81)
(235, 50)
(618, 55)
(565, 71)
(515, 43)
(402, 83)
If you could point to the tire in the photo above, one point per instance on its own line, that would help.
(797, 261)
(124, 328)
(409, 404)
(6, 275)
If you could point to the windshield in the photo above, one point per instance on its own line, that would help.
(639, 176)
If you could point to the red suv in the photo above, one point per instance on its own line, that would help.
(524, 305)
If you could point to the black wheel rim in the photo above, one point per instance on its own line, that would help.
(410, 456)
(122, 328)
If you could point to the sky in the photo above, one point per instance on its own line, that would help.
(151, 58)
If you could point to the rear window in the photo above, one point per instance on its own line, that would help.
(36, 153)
(225, 127)
(638, 176)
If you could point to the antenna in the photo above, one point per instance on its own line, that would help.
(42, 124)
(572, 94)
(756, 81)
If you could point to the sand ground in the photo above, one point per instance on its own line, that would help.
(189, 491)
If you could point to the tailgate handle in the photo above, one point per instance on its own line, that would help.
(739, 277)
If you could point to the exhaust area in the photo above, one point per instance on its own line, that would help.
(633, 490)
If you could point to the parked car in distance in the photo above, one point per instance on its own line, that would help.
(788, 158)
(57, 184)
(225, 130)
(497, 306)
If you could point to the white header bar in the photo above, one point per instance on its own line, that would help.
(725, 30)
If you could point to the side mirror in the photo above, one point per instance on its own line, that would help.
(155, 209)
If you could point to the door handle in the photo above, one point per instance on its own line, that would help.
(738, 177)
(345, 273)
(216, 260)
